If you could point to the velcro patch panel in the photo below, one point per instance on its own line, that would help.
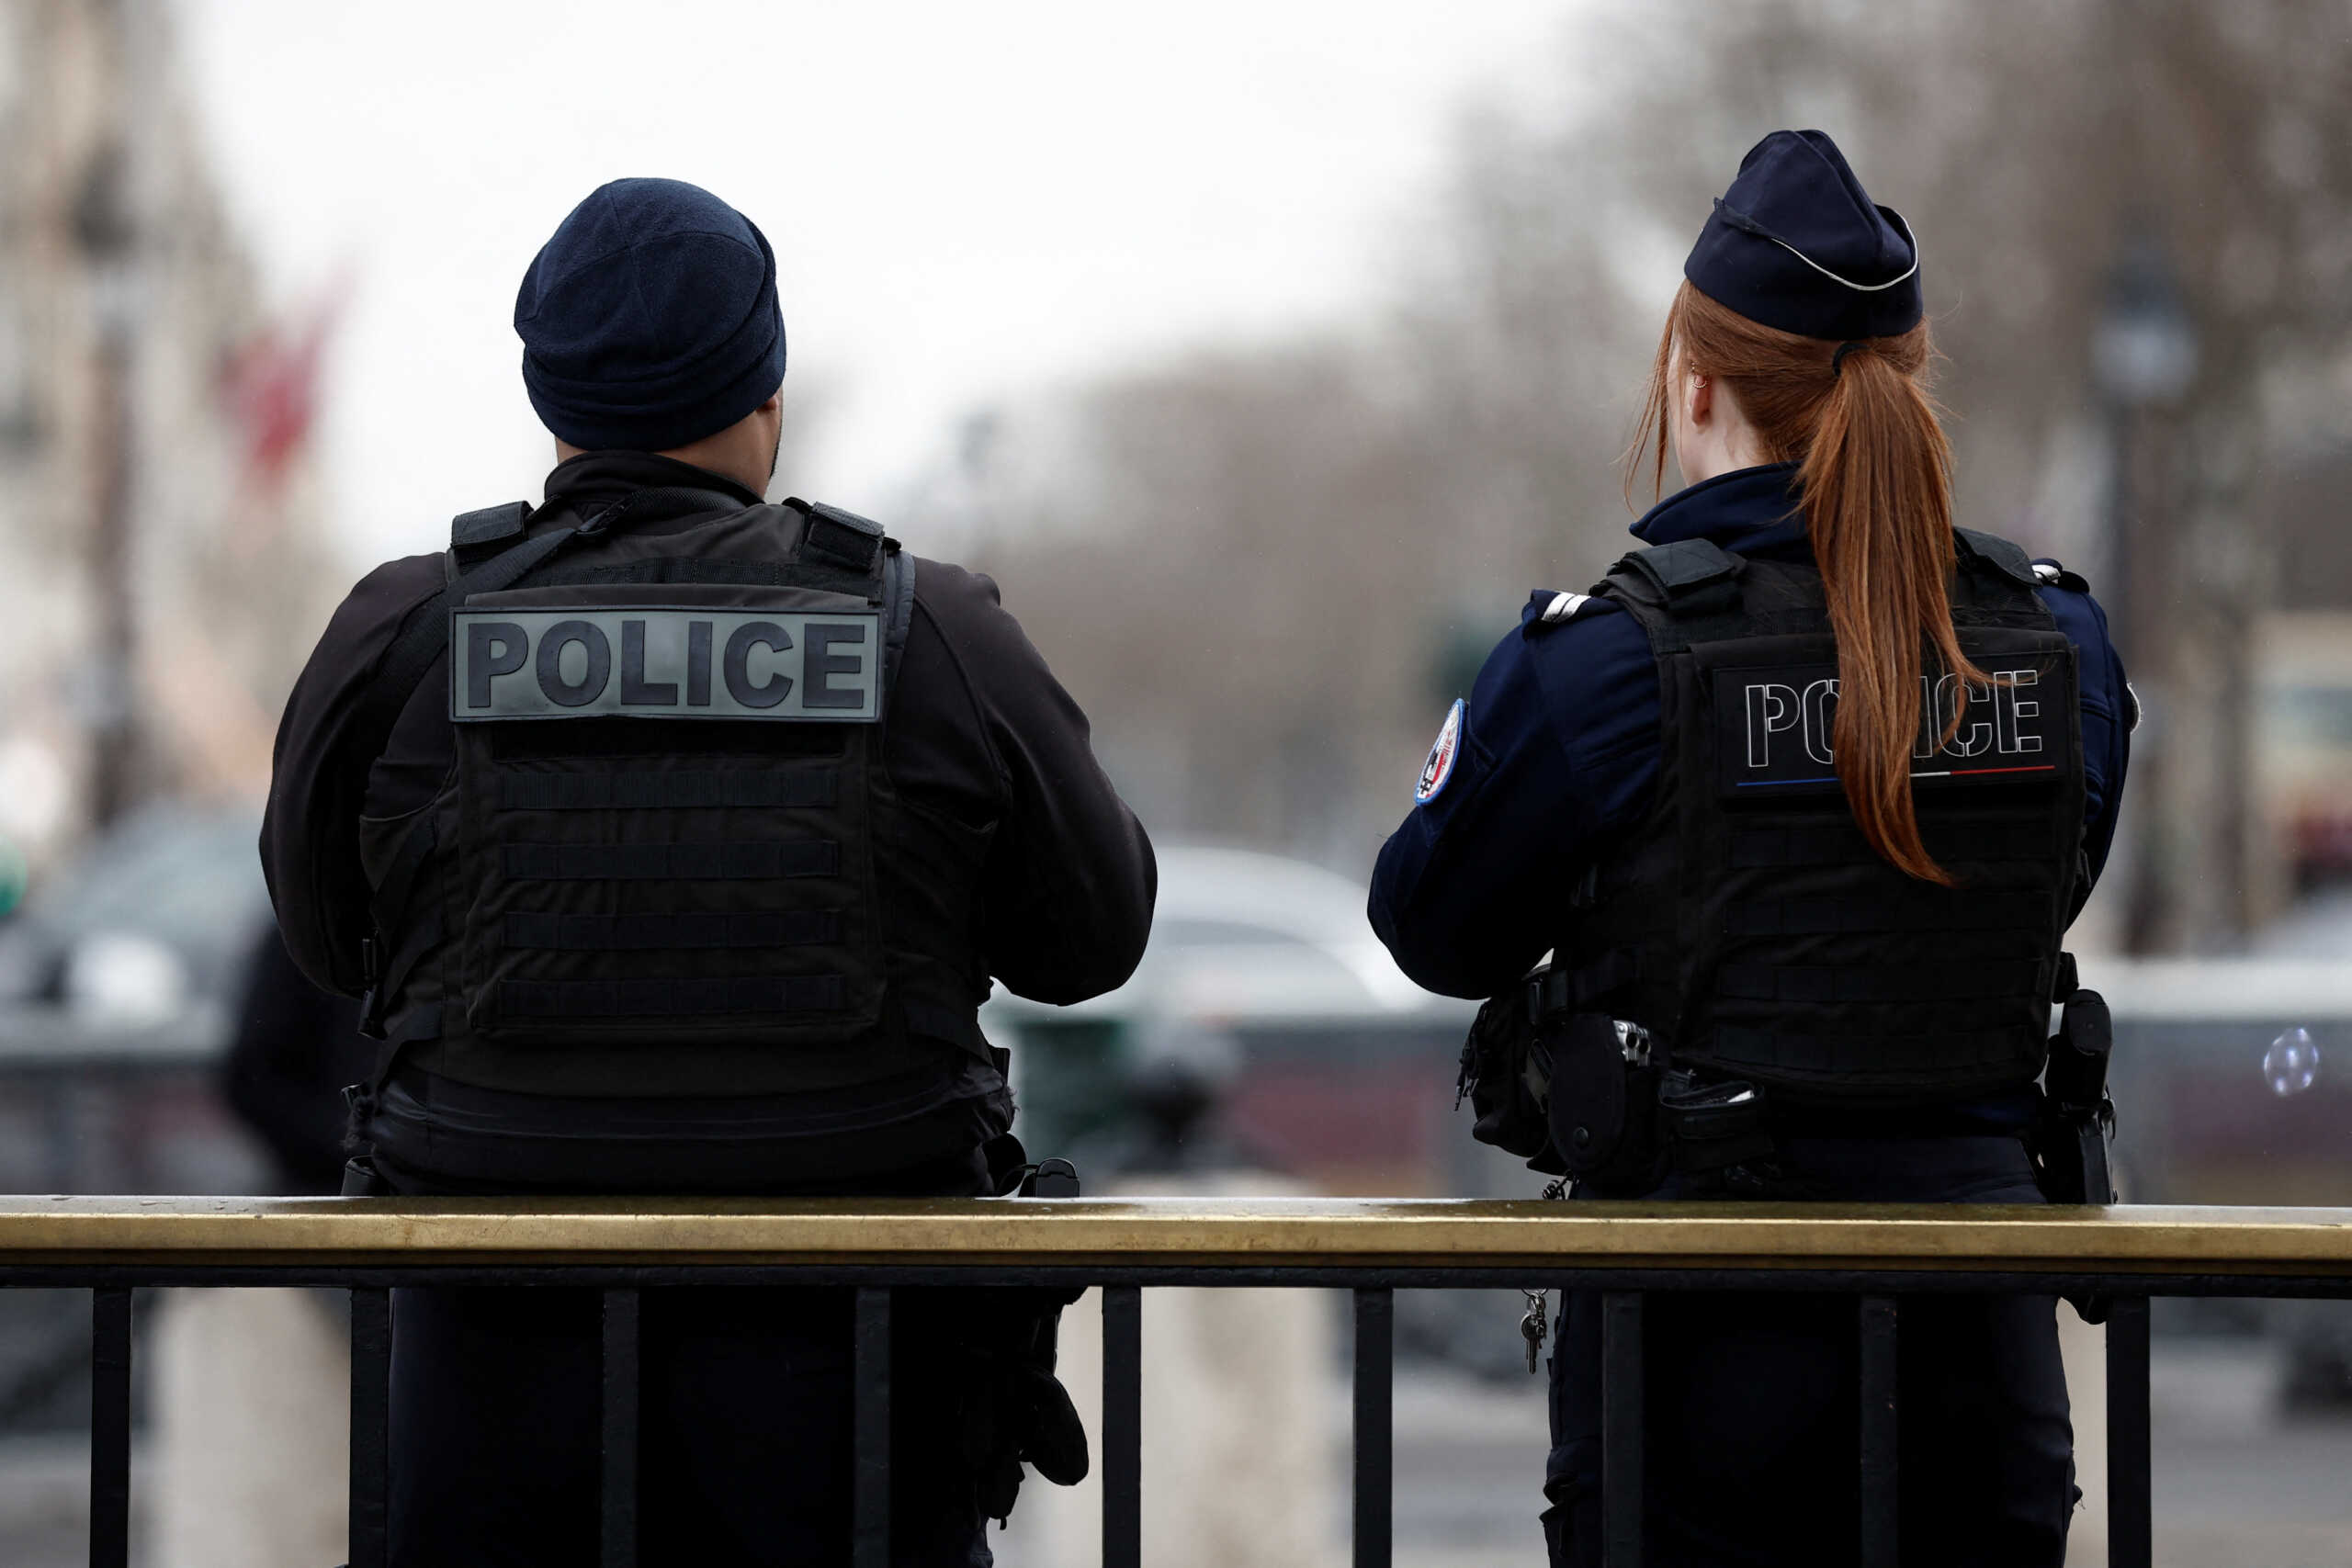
(664, 661)
(1773, 727)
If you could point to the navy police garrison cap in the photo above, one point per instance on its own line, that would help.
(651, 319)
(1796, 243)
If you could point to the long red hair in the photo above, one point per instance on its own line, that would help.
(1875, 472)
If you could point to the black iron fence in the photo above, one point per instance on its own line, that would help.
(1879, 1255)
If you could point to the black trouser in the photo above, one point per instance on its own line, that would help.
(745, 1447)
(1753, 1401)
(744, 1406)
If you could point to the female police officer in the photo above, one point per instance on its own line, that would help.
(1809, 789)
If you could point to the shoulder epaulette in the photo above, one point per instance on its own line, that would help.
(1552, 609)
(2050, 574)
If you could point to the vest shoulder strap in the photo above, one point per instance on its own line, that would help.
(1688, 577)
(489, 526)
(842, 538)
(2001, 554)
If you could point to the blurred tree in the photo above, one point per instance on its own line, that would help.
(1298, 533)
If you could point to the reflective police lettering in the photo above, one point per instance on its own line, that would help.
(596, 663)
(1771, 708)
(673, 662)
(766, 693)
(497, 647)
(822, 663)
(1775, 728)
(635, 688)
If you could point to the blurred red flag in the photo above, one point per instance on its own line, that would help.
(271, 386)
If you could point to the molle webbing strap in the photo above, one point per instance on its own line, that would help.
(665, 998)
(1929, 909)
(653, 789)
(1881, 983)
(1838, 843)
(723, 573)
(629, 933)
(1865, 1057)
(672, 862)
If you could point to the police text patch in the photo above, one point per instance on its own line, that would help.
(1441, 758)
(659, 661)
(1774, 725)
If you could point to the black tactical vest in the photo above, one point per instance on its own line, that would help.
(669, 860)
(1749, 925)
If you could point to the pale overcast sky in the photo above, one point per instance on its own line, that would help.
(968, 203)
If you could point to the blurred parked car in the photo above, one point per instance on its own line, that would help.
(150, 927)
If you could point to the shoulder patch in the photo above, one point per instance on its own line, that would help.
(1438, 768)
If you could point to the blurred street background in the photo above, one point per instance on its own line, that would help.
(1267, 357)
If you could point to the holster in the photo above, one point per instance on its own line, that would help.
(2074, 1121)
(1016, 1410)
(2075, 1118)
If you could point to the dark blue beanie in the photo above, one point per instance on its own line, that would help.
(1797, 243)
(650, 320)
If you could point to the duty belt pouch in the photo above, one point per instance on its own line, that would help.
(1603, 1113)
(665, 803)
(1506, 1076)
(1714, 1124)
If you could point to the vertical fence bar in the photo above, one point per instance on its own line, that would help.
(620, 1419)
(1624, 1434)
(1376, 1426)
(871, 1490)
(1121, 1426)
(1881, 1477)
(109, 1429)
(371, 1408)
(2130, 1532)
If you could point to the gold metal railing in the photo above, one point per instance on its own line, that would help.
(1171, 1232)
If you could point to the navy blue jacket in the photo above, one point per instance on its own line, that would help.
(1558, 755)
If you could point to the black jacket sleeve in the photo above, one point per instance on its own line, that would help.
(1071, 877)
(309, 833)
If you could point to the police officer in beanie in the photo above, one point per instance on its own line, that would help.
(1801, 799)
(672, 838)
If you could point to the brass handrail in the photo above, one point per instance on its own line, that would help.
(1173, 1233)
